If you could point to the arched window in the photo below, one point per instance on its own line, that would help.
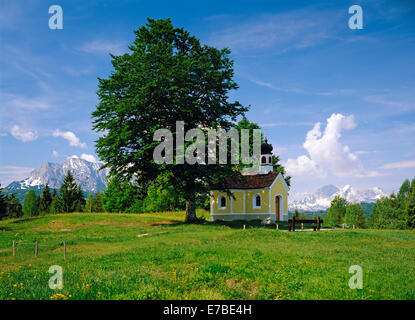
(270, 159)
(257, 201)
(222, 202)
(263, 160)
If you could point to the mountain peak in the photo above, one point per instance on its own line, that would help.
(85, 173)
(320, 199)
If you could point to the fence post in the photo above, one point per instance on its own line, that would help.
(354, 227)
(64, 250)
(14, 248)
(36, 249)
(302, 226)
(244, 226)
(277, 226)
(293, 224)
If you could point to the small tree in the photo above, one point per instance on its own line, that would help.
(14, 207)
(296, 214)
(89, 206)
(45, 201)
(79, 199)
(70, 194)
(355, 215)
(3, 204)
(336, 212)
(97, 205)
(119, 195)
(55, 206)
(386, 214)
(410, 209)
(31, 204)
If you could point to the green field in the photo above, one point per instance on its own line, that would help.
(157, 256)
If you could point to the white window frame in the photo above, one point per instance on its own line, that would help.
(219, 202)
(254, 201)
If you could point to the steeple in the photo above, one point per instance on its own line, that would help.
(266, 157)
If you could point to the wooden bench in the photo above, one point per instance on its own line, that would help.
(293, 221)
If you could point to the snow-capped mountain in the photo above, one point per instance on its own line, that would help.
(86, 173)
(320, 200)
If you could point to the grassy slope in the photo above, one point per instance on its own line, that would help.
(108, 260)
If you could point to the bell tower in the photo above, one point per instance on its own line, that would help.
(266, 157)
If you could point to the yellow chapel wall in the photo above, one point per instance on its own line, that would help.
(279, 188)
(214, 203)
(264, 193)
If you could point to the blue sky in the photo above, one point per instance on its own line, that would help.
(338, 104)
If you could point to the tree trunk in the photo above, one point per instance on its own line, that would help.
(191, 208)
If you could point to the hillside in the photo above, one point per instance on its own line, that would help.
(127, 256)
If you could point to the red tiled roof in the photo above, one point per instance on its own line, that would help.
(255, 181)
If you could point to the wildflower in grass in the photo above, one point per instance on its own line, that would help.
(58, 296)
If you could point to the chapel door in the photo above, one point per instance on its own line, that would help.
(277, 208)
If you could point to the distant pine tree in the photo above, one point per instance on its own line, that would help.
(45, 201)
(3, 204)
(14, 207)
(89, 206)
(98, 205)
(410, 209)
(68, 194)
(79, 199)
(55, 206)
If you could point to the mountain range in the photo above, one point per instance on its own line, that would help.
(91, 179)
(320, 199)
(85, 173)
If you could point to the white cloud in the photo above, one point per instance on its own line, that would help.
(23, 134)
(55, 153)
(71, 137)
(304, 166)
(13, 173)
(14, 102)
(88, 157)
(399, 165)
(104, 46)
(282, 32)
(327, 154)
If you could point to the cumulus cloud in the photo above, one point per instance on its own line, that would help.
(88, 157)
(71, 137)
(55, 153)
(327, 154)
(304, 166)
(23, 134)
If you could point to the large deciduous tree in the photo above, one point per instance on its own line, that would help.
(168, 76)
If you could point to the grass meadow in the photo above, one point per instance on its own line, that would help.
(157, 256)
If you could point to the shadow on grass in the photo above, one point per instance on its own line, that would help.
(21, 220)
(239, 224)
